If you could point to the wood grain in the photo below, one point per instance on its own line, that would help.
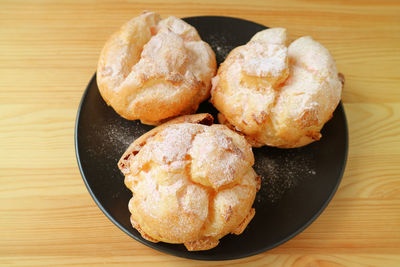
(49, 51)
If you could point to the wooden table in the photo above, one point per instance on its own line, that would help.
(49, 51)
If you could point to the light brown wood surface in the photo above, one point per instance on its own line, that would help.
(48, 53)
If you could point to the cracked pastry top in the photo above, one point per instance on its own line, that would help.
(154, 69)
(192, 182)
(277, 95)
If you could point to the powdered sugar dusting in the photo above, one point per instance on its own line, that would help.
(167, 203)
(298, 100)
(220, 46)
(271, 36)
(148, 194)
(281, 171)
(161, 58)
(195, 200)
(216, 159)
(265, 60)
(174, 144)
(116, 136)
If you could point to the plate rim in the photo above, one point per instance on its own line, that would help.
(188, 255)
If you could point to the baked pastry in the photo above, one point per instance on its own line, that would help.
(153, 69)
(277, 95)
(192, 182)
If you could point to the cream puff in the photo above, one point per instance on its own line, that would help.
(277, 95)
(154, 69)
(192, 182)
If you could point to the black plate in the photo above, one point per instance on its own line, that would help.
(297, 183)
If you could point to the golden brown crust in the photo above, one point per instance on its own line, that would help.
(192, 182)
(205, 243)
(277, 95)
(244, 223)
(134, 148)
(250, 139)
(341, 78)
(154, 69)
(258, 182)
(142, 233)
